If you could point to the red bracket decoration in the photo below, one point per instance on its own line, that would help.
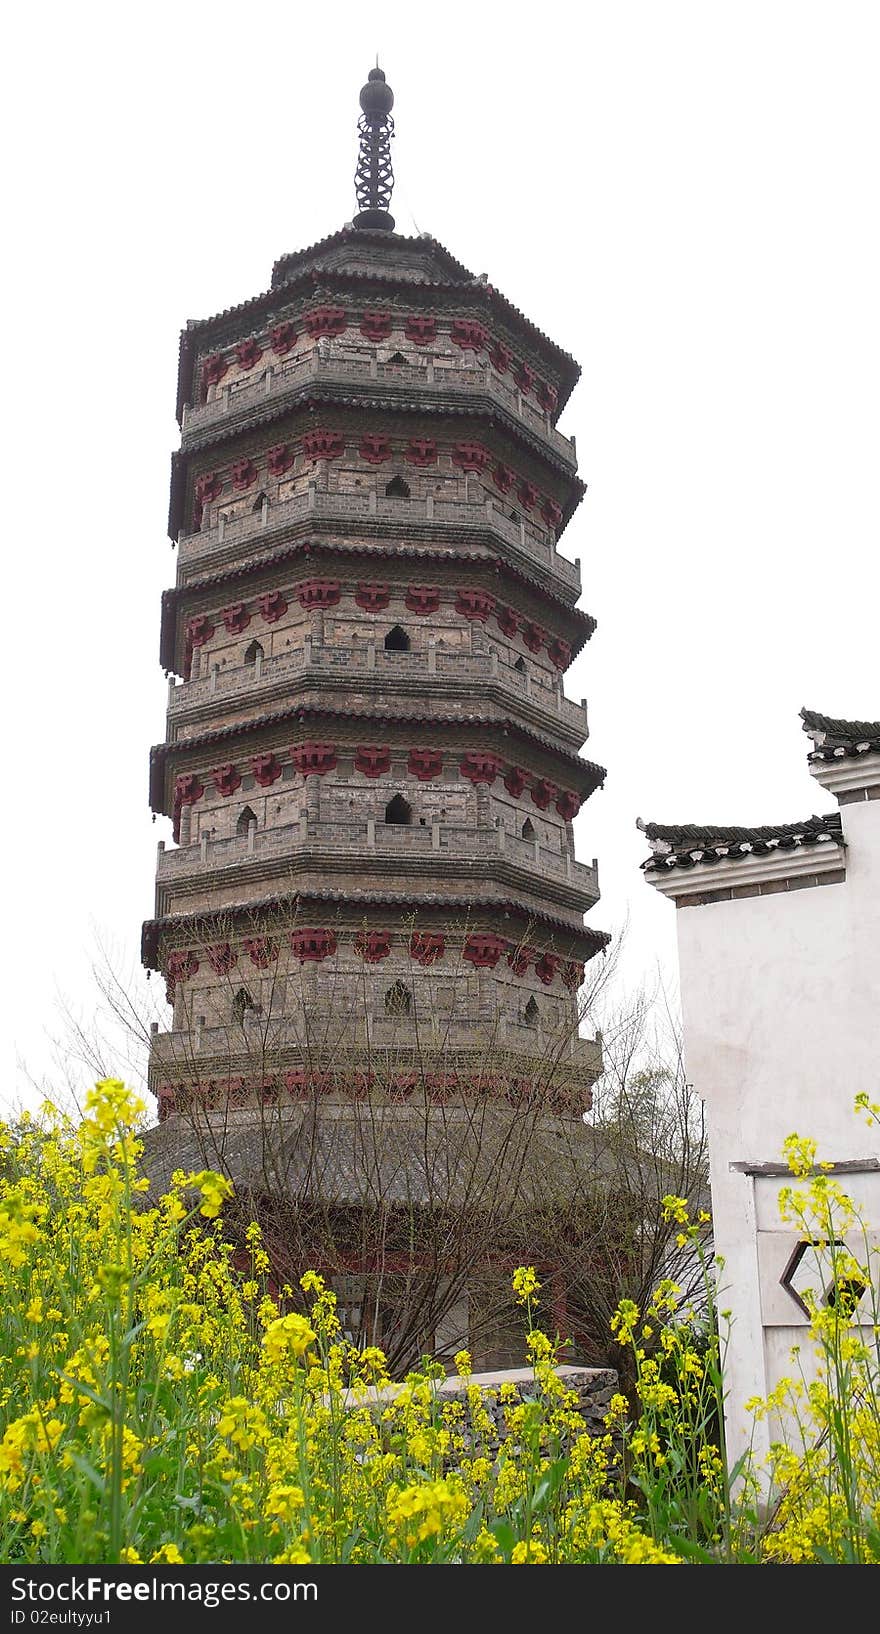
(222, 958)
(483, 950)
(213, 370)
(547, 396)
(279, 459)
(179, 965)
(199, 630)
(507, 621)
(282, 338)
(374, 448)
(273, 606)
(262, 949)
(543, 791)
(568, 804)
(515, 781)
(480, 768)
(376, 325)
(519, 959)
(470, 456)
(244, 474)
(469, 335)
(188, 789)
(319, 593)
(300, 1084)
(533, 635)
(208, 486)
(422, 599)
(426, 947)
(266, 769)
(402, 1086)
(546, 967)
(500, 357)
(503, 477)
(474, 604)
(323, 445)
(425, 764)
(248, 353)
(236, 617)
(524, 377)
(227, 779)
(572, 975)
(373, 945)
(441, 1087)
(551, 512)
(560, 652)
(326, 320)
(528, 495)
(372, 762)
(372, 597)
(311, 946)
(421, 451)
(314, 759)
(420, 328)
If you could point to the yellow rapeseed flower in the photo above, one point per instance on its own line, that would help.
(525, 1284)
(288, 1336)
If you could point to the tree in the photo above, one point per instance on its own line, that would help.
(413, 1172)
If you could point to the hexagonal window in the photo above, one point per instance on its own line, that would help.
(811, 1271)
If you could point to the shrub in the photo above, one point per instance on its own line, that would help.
(163, 1401)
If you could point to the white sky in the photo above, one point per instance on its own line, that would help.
(684, 195)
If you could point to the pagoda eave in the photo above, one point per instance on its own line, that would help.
(570, 488)
(576, 892)
(193, 597)
(586, 775)
(289, 276)
(575, 941)
(570, 731)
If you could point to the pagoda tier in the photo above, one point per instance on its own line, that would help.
(370, 764)
(451, 992)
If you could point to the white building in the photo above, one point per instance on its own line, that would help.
(779, 949)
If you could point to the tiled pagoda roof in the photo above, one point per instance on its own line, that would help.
(308, 265)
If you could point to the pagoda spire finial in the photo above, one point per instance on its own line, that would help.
(374, 177)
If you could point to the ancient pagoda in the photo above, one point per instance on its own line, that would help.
(370, 764)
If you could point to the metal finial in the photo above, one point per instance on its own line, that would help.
(374, 177)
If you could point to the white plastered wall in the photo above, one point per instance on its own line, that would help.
(781, 1002)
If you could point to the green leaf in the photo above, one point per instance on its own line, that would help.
(691, 1551)
(85, 1390)
(549, 1485)
(80, 1462)
(504, 1536)
(157, 1462)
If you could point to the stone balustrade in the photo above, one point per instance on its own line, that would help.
(320, 1029)
(529, 545)
(432, 380)
(367, 838)
(246, 683)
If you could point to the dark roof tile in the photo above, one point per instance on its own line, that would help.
(684, 845)
(835, 738)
